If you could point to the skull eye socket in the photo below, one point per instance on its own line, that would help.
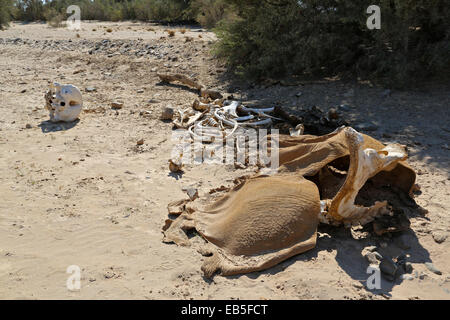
(62, 103)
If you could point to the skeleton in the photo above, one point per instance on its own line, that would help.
(266, 219)
(64, 102)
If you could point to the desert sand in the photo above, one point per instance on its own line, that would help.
(86, 194)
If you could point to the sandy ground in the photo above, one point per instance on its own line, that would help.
(85, 194)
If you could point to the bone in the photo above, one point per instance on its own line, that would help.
(364, 164)
(203, 91)
(64, 102)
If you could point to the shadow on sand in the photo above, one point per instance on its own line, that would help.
(48, 126)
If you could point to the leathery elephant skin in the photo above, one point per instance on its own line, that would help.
(266, 219)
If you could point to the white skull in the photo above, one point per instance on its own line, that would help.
(64, 102)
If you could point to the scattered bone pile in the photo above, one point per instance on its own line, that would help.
(213, 117)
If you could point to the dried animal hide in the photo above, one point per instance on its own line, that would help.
(266, 219)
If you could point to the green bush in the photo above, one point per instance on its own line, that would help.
(6, 7)
(30, 10)
(272, 38)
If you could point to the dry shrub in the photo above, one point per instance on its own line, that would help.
(109, 30)
(56, 21)
(211, 12)
(300, 38)
(171, 33)
(183, 31)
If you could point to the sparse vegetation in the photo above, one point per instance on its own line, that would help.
(210, 12)
(6, 8)
(274, 38)
(330, 37)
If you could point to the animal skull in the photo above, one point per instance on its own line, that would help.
(64, 102)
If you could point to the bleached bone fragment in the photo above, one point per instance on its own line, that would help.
(204, 92)
(298, 131)
(364, 164)
(231, 109)
(64, 102)
(200, 106)
(186, 118)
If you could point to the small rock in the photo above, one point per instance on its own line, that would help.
(298, 94)
(406, 277)
(140, 142)
(332, 114)
(90, 89)
(175, 165)
(192, 193)
(167, 113)
(432, 268)
(366, 126)
(422, 276)
(28, 126)
(388, 267)
(373, 257)
(116, 105)
(439, 236)
(408, 267)
(140, 91)
(23, 91)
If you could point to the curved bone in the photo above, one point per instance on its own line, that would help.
(256, 110)
(364, 164)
